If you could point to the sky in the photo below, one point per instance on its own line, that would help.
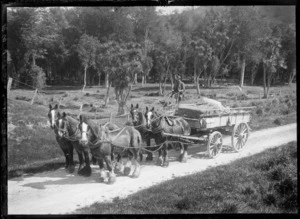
(171, 9)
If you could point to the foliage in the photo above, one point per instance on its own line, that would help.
(200, 41)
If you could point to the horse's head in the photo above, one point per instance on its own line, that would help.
(53, 115)
(62, 124)
(134, 113)
(150, 115)
(85, 130)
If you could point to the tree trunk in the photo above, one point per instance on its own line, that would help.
(84, 79)
(292, 76)
(253, 73)
(121, 107)
(143, 80)
(198, 86)
(172, 81)
(135, 79)
(106, 80)
(107, 95)
(99, 82)
(243, 71)
(160, 88)
(195, 71)
(265, 81)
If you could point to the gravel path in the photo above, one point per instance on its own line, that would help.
(57, 192)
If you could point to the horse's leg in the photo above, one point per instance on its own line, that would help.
(71, 167)
(149, 154)
(119, 167)
(111, 175)
(86, 170)
(103, 175)
(181, 152)
(184, 157)
(127, 168)
(137, 169)
(165, 157)
(80, 156)
(159, 161)
(64, 148)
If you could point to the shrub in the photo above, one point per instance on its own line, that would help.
(229, 208)
(286, 187)
(290, 202)
(260, 111)
(23, 98)
(38, 76)
(87, 94)
(75, 98)
(65, 94)
(248, 190)
(269, 199)
(276, 174)
(184, 204)
(278, 121)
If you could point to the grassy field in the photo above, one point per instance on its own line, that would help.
(263, 183)
(32, 145)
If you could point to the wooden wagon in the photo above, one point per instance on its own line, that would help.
(208, 126)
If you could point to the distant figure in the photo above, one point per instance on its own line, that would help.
(178, 89)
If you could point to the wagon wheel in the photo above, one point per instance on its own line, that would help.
(214, 144)
(239, 136)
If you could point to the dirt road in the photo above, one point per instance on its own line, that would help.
(57, 192)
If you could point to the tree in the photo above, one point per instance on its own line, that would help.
(86, 49)
(272, 60)
(127, 64)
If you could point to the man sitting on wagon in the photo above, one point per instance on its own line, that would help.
(178, 89)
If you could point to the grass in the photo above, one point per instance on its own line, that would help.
(31, 141)
(263, 183)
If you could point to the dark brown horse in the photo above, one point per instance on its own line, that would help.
(66, 145)
(104, 143)
(139, 123)
(68, 129)
(162, 124)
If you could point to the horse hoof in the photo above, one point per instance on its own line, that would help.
(166, 164)
(112, 179)
(119, 168)
(71, 169)
(127, 171)
(85, 171)
(149, 158)
(183, 160)
(159, 162)
(136, 173)
(102, 176)
(180, 158)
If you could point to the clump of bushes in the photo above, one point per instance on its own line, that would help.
(23, 98)
(278, 121)
(260, 111)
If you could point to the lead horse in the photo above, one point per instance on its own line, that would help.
(67, 145)
(160, 124)
(103, 143)
(139, 123)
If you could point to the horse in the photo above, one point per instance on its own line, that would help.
(68, 129)
(104, 143)
(65, 145)
(139, 123)
(162, 124)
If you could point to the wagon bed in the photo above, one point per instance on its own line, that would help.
(210, 121)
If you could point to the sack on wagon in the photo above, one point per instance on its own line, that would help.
(204, 106)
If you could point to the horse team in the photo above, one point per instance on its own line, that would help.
(109, 143)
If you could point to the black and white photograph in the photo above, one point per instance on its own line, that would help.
(149, 109)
